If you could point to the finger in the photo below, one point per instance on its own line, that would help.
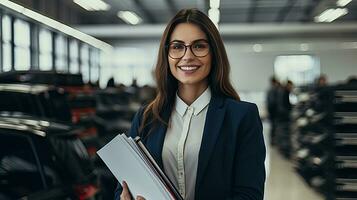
(125, 195)
(140, 198)
(125, 186)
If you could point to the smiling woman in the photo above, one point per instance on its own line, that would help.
(190, 68)
(207, 141)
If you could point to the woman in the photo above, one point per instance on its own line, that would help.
(208, 142)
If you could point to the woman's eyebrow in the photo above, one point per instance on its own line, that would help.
(198, 40)
(178, 41)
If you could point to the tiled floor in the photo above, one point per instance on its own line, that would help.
(283, 183)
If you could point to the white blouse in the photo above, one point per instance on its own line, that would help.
(183, 141)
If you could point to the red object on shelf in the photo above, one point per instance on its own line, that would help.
(92, 151)
(84, 192)
(78, 112)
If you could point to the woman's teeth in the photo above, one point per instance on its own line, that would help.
(188, 68)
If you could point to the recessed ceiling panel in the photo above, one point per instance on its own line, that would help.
(231, 11)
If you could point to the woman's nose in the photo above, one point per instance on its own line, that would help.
(188, 54)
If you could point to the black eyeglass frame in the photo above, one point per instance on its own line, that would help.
(190, 46)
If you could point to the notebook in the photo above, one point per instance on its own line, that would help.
(129, 160)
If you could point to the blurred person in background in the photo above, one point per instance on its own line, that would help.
(322, 81)
(324, 94)
(272, 106)
(208, 142)
(111, 83)
(282, 135)
(284, 105)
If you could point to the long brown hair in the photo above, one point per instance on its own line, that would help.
(167, 85)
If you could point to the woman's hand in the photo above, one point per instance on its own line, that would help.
(125, 194)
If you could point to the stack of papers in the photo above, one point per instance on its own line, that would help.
(130, 161)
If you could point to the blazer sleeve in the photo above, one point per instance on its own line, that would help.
(249, 161)
(133, 132)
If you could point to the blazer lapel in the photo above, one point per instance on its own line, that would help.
(214, 120)
(155, 140)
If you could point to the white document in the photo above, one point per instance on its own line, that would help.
(124, 160)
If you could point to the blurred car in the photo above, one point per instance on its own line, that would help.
(43, 160)
(37, 100)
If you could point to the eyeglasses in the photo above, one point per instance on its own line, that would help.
(199, 48)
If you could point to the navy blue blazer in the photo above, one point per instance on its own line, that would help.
(232, 152)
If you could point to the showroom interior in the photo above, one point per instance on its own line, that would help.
(73, 73)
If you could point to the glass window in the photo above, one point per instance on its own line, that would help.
(300, 69)
(6, 30)
(6, 57)
(18, 166)
(73, 52)
(74, 67)
(45, 62)
(124, 73)
(61, 53)
(85, 62)
(22, 58)
(132, 63)
(22, 33)
(105, 74)
(61, 65)
(22, 45)
(45, 49)
(94, 69)
(45, 40)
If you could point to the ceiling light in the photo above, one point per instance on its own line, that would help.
(331, 14)
(92, 5)
(349, 45)
(257, 47)
(343, 3)
(214, 3)
(129, 17)
(57, 25)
